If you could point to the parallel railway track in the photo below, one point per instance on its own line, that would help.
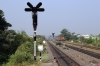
(91, 47)
(90, 53)
(87, 46)
(62, 58)
(93, 54)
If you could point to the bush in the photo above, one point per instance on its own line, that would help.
(26, 47)
(75, 41)
(23, 54)
(58, 43)
(19, 58)
(89, 41)
(64, 47)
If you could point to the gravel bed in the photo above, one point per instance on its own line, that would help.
(81, 58)
(89, 49)
(51, 57)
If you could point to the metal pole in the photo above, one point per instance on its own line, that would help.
(40, 56)
(34, 16)
(34, 45)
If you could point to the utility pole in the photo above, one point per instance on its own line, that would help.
(34, 17)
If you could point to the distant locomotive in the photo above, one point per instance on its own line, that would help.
(60, 39)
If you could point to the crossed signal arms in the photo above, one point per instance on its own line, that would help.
(34, 9)
(34, 16)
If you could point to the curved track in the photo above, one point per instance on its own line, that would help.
(62, 58)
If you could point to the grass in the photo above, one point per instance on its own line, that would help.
(44, 59)
(37, 64)
(22, 49)
(64, 47)
(58, 43)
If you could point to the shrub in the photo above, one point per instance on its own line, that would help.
(58, 43)
(89, 41)
(64, 47)
(22, 57)
(22, 54)
(19, 58)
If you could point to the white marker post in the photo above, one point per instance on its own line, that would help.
(40, 48)
(44, 41)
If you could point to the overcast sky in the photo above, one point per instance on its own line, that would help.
(79, 16)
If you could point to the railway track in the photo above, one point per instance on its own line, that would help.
(96, 48)
(62, 58)
(93, 54)
(91, 47)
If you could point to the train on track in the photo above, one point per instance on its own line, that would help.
(60, 39)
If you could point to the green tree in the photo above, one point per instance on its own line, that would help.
(99, 40)
(6, 37)
(73, 33)
(89, 40)
(3, 23)
(6, 43)
(73, 36)
(66, 34)
(82, 40)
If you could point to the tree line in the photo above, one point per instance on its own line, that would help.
(15, 47)
(74, 37)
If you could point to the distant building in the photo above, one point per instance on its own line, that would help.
(85, 36)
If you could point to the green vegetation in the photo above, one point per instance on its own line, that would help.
(68, 35)
(95, 41)
(3, 23)
(45, 57)
(23, 55)
(64, 47)
(58, 43)
(7, 39)
(16, 48)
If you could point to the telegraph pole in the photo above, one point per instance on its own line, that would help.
(34, 17)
